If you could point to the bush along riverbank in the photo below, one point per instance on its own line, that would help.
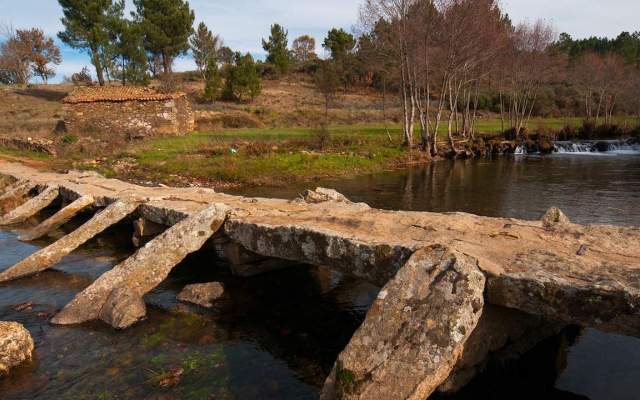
(588, 138)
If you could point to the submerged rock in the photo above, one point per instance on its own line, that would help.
(123, 308)
(16, 346)
(202, 294)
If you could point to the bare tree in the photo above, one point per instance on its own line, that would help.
(441, 50)
(303, 49)
(530, 62)
(396, 13)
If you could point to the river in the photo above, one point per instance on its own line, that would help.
(275, 336)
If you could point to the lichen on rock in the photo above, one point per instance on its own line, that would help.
(16, 346)
(123, 308)
(415, 331)
(554, 217)
(202, 294)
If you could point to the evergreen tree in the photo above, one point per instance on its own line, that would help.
(87, 25)
(205, 47)
(213, 78)
(130, 62)
(167, 25)
(276, 47)
(242, 80)
(339, 43)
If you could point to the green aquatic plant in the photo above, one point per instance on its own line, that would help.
(158, 359)
(153, 340)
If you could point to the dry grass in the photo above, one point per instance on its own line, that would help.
(31, 111)
(293, 101)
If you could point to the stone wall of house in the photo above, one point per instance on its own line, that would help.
(132, 119)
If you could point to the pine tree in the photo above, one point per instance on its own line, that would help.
(87, 24)
(213, 77)
(276, 47)
(242, 79)
(167, 25)
(130, 63)
(204, 46)
(339, 43)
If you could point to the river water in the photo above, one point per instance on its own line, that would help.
(275, 336)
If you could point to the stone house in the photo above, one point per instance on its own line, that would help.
(134, 112)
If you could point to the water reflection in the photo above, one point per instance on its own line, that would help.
(589, 189)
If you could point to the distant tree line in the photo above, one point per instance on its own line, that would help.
(128, 49)
(448, 59)
(445, 60)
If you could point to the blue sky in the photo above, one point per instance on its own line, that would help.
(242, 23)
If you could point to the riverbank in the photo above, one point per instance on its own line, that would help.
(232, 158)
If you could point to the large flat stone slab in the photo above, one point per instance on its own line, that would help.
(414, 332)
(58, 219)
(15, 194)
(31, 207)
(147, 268)
(52, 254)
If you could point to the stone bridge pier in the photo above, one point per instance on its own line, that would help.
(454, 287)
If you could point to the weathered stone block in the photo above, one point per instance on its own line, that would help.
(415, 331)
(16, 346)
(123, 308)
(202, 294)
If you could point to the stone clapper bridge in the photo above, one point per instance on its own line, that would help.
(454, 286)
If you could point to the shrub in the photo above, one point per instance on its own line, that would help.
(82, 78)
(567, 132)
(229, 120)
(267, 70)
(242, 81)
(69, 139)
(511, 134)
(213, 84)
(587, 130)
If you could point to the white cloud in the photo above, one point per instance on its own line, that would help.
(580, 18)
(243, 23)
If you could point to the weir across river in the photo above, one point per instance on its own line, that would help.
(442, 276)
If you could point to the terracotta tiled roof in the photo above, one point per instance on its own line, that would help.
(117, 94)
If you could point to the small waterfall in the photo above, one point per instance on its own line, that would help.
(601, 146)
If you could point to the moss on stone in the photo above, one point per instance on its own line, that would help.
(345, 379)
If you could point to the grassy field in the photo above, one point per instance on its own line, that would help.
(281, 155)
(273, 156)
(258, 156)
